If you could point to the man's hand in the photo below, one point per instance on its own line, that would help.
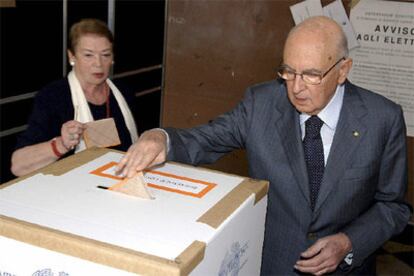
(325, 254)
(149, 150)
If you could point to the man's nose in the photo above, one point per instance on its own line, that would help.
(298, 83)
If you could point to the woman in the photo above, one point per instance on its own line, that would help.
(61, 108)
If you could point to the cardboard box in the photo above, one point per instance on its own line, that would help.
(202, 222)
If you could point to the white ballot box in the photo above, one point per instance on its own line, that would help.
(59, 222)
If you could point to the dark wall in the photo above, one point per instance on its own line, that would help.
(32, 55)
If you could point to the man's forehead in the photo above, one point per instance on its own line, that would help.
(308, 51)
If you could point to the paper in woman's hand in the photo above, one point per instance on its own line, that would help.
(101, 134)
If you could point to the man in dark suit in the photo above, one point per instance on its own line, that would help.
(334, 153)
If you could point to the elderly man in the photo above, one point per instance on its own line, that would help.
(334, 153)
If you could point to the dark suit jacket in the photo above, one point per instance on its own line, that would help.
(364, 181)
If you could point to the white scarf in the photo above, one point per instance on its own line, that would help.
(83, 113)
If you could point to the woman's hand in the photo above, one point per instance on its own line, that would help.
(71, 133)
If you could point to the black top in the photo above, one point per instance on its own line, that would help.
(53, 107)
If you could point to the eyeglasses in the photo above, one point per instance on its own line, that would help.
(309, 77)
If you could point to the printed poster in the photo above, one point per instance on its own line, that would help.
(384, 62)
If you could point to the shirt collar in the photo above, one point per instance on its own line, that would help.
(330, 113)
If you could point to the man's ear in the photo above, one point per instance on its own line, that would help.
(344, 70)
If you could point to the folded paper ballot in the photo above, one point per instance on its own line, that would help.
(101, 134)
(134, 186)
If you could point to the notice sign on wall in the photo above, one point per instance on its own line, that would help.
(384, 62)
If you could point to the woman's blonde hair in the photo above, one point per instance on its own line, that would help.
(88, 26)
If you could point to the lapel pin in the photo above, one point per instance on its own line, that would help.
(355, 133)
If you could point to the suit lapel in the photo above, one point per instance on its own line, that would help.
(349, 132)
(288, 129)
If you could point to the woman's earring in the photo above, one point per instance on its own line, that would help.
(72, 63)
(113, 62)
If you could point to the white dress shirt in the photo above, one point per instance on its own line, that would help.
(330, 116)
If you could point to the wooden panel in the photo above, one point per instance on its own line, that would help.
(214, 51)
(218, 48)
(7, 3)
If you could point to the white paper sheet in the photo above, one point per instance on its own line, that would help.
(305, 9)
(385, 61)
(336, 11)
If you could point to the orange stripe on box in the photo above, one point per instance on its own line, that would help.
(100, 171)
(198, 195)
(209, 186)
(179, 177)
